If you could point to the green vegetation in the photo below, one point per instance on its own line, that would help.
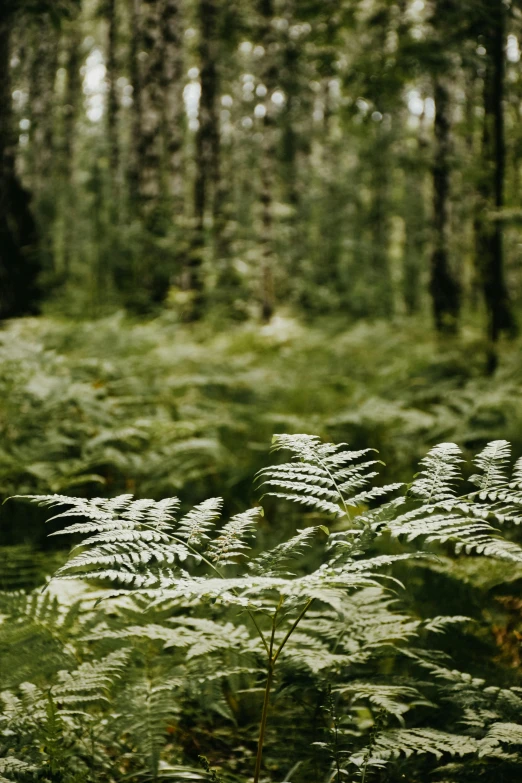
(222, 221)
(157, 408)
(205, 629)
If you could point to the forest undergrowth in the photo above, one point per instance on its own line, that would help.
(396, 664)
(241, 651)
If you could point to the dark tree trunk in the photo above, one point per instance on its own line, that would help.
(19, 262)
(415, 227)
(444, 289)
(491, 187)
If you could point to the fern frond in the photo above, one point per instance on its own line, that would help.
(13, 766)
(394, 743)
(393, 699)
(436, 482)
(270, 562)
(195, 527)
(324, 476)
(231, 542)
(492, 461)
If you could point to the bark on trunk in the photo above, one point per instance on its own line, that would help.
(112, 104)
(19, 263)
(150, 146)
(268, 78)
(380, 288)
(444, 289)
(173, 103)
(135, 163)
(207, 149)
(70, 114)
(491, 188)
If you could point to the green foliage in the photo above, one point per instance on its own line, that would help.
(204, 629)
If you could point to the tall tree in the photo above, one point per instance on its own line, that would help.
(444, 289)
(19, 263)
(207, 148)
(173, 83)
(112, 102)
(491, 184)
(150, 143)
(268, 79)
(71, 106)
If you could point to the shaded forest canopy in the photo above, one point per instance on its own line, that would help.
(352, 157)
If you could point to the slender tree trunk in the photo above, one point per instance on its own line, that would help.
(19, 262)
(41, 102)
(380, 288)
(70, 114)
(173, 119)
(112, 105)
(42, 136)
(151, 147)
(207, 148)
(266, 241)
(135, 163)
(415, 228)
(444, 289)
(491, 188)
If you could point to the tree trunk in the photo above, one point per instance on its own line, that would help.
(380, 280)
(491, 187)
(135, 163)
(268, 78)
(42, 134)
(150, 146)
(19, 262)
(173, 119)
(72, 99)
(112, 105)
(207, 148)
(415, 227)
(444, 289)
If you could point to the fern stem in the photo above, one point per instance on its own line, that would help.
(262, 727)
(292, 629)
(266, 699)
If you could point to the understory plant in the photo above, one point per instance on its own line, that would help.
(188, 627)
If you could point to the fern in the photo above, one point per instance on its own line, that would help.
(201, 611)
(324, 476)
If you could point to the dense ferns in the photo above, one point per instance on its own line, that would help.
(181, 636)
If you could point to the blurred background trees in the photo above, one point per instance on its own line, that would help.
(359, 157)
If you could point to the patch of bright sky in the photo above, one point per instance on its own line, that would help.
(191, 96)
(94, 85)
(512, 49)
